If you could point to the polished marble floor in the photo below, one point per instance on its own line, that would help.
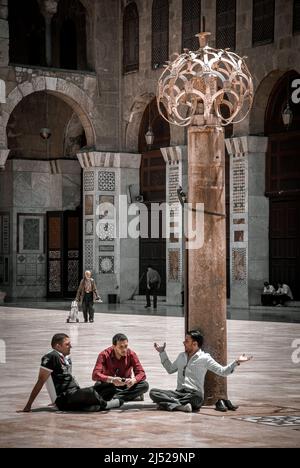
(253, 314)
(266, 388)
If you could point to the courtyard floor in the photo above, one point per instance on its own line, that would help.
(267, 389)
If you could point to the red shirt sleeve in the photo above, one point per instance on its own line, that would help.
(99, 370)
(138, 370)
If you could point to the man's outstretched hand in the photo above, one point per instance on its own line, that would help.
(160, 349)
(243, 358)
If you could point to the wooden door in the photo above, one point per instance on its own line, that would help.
(72, 265)
(153, 188)
(64, 253)
(285, 243)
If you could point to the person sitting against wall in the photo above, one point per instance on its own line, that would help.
(268, 295)
(283, 294)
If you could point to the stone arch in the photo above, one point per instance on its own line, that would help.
(75, 97)
(261, 99)
(134, 119)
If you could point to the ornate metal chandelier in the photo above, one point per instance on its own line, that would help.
(208, 82)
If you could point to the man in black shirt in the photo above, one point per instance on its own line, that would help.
(56, 370)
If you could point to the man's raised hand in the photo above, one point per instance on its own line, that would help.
(243, 358)
(160, 349)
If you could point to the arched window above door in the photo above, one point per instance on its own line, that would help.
(226, 24)
(26, 33)
(69, 42)
(131, 38)
(296, 17)
(160, 33)
(263, 22)
(191, 23)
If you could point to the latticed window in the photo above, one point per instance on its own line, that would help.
(263, 21)
(296, 26)
(160, 32)
(191, 23)
(131, 38)
(225, 24)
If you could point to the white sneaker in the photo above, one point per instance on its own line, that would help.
(185, 408)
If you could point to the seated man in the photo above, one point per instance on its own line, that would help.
(57, 366)
(267, 298)
(119, 373)
(192, 366)
(283, 294)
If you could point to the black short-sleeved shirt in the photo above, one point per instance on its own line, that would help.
(61, 372)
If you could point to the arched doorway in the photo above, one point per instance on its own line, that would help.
(283, 185)
(153, 189)
(48, 210)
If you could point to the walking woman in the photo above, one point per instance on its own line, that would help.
(87, 294)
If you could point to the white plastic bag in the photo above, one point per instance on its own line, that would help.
(74, 313)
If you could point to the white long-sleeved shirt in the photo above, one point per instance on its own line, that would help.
(191, 373)
(285, 289)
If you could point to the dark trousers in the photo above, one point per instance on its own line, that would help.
(88, 306)
(153, 291)
(109, 391)
(82, 399)
(170, 400)
(282, 299)
(268, 300)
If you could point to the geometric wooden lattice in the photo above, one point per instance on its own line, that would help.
(226, 24)
(191, 23)
(160, 33)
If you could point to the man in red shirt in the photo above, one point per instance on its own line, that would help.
(119, 373)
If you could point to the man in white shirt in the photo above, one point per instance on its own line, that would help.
(267, 298)
(284, 294)
(191, 366)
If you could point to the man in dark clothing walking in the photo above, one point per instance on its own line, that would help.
(153, 286)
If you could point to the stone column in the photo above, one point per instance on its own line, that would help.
(249, 220)
(176, 175)
(48, 9)
(3, 158)
(207, 265)
(114, 260)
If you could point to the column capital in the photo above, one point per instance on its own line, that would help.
(48, 8)
(174, 154)
(97, 159)
(246, 144)
(3, 158)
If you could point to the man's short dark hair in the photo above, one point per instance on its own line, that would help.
(150, 266)
(58, 339)
(119, 337)
(196, 335)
